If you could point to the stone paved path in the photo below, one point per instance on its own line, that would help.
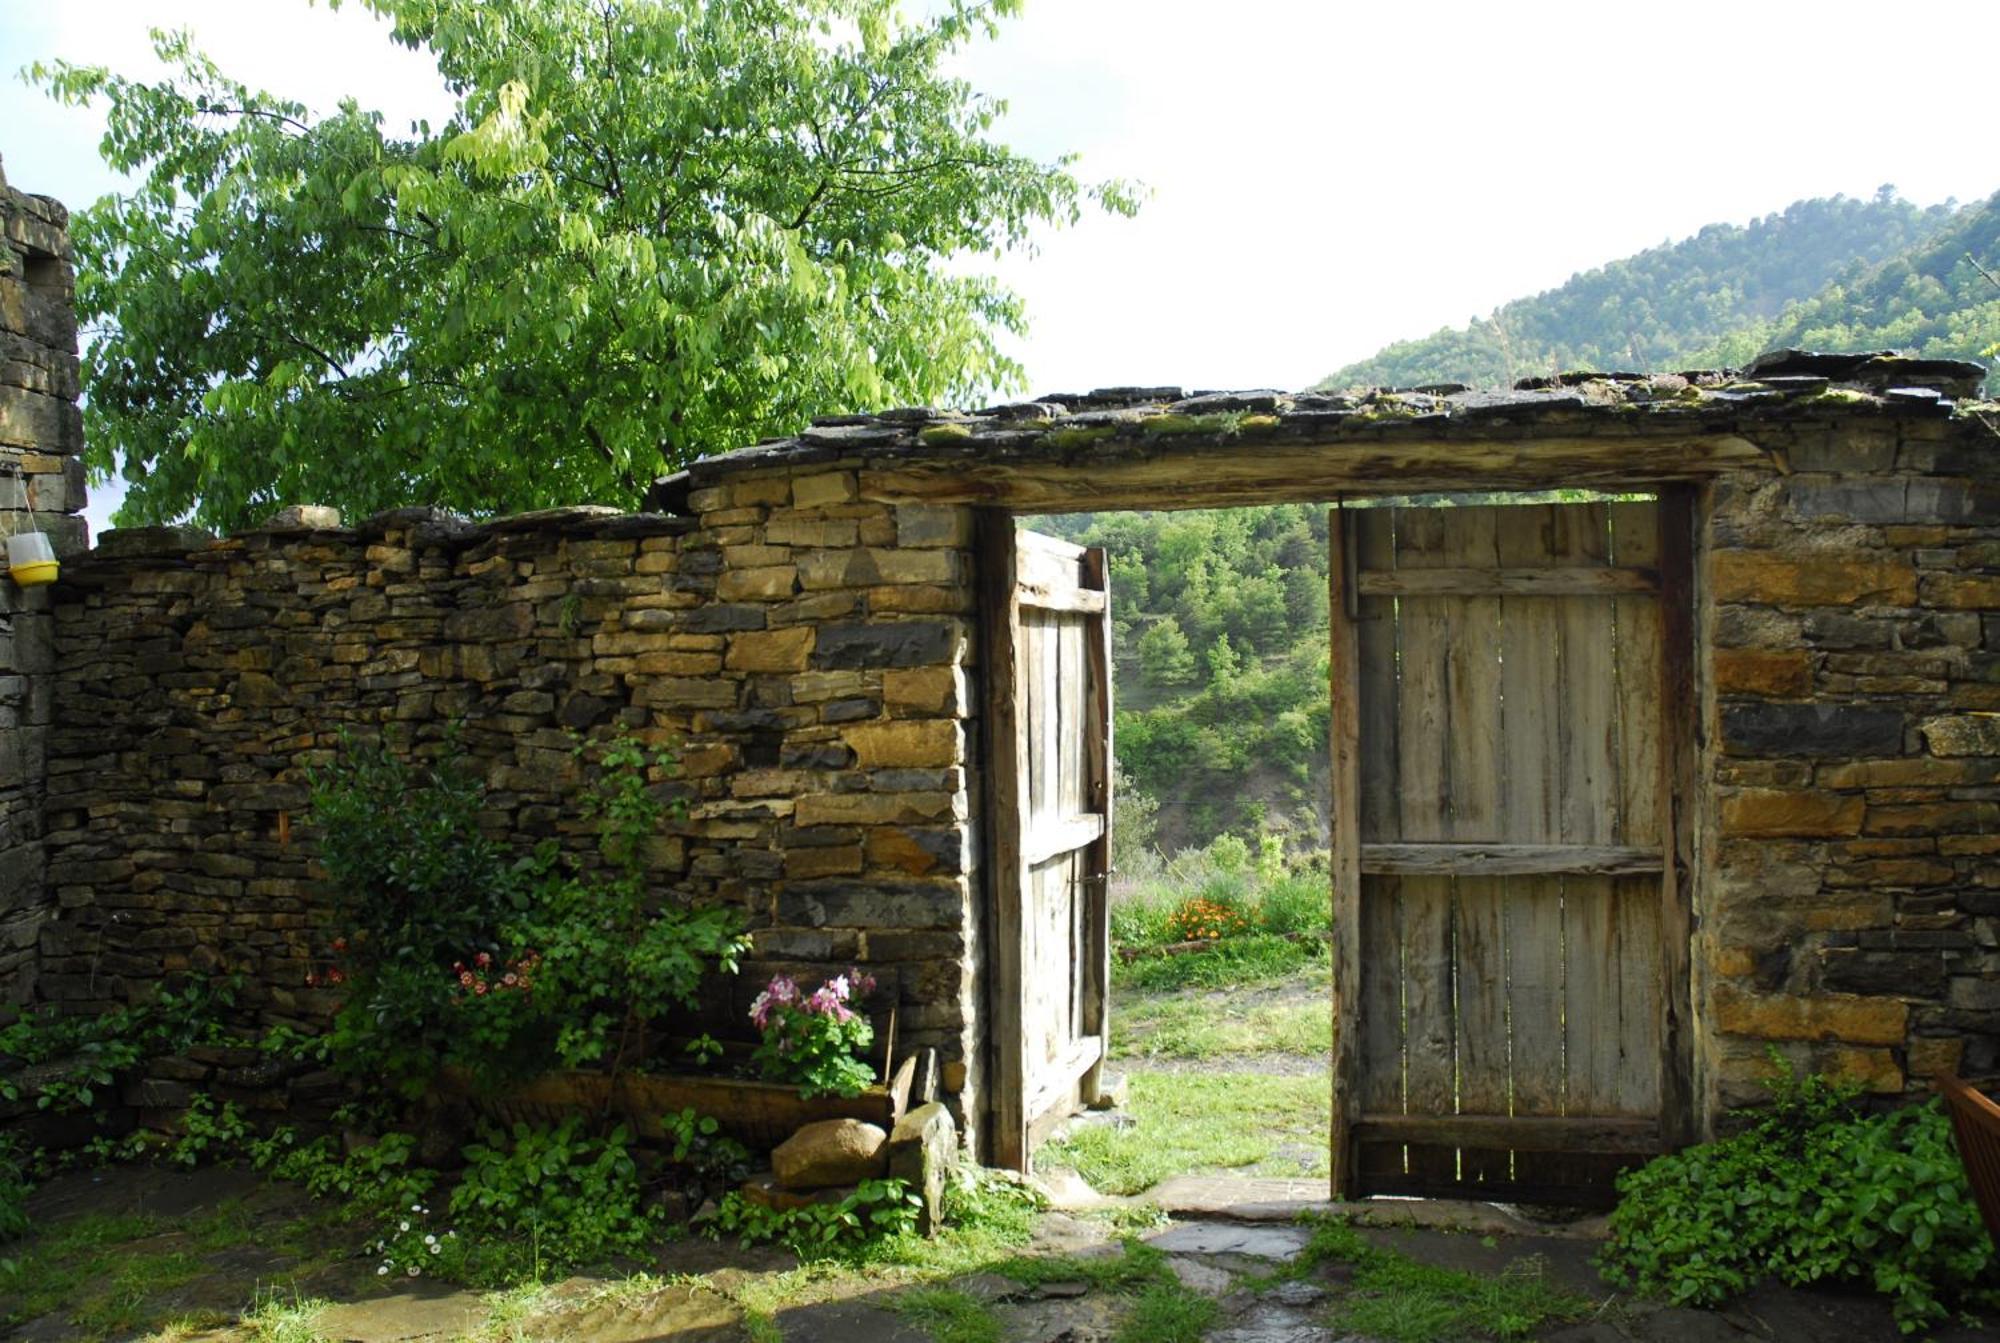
(699, 1292)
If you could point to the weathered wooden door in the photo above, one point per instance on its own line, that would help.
(1048, 745)
(1510, 686)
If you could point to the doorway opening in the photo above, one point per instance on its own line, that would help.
(1438, 958)
(1215, 886)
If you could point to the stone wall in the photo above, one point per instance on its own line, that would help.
(812, 688)
(1852, 902)
(41, 438)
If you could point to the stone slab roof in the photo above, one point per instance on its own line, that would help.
(1783, 385)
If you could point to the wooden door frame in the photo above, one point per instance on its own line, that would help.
(1679, 757)
(1011, 1133)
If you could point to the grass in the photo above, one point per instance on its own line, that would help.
(1397, 1299)
(1187, 1124)
(1219, 1026)
(1232, 962)
(55, 1269)
(276, 1321)
(1167, 1312)
(123, 1300)
(948, 1315)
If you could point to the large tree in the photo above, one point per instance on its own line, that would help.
(651, 229)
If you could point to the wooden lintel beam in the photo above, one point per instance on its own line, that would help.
(1160, 476)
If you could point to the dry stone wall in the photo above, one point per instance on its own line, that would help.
(804, 656)
(41, 439)
(1852, 610)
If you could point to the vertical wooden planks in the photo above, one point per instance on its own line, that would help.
(1633, 1086)
(1381, 1087)
(1531, 709)
(1423, 702)
(1679, 756)
(1007, 813)
(1352, 927)
(1429, 987)
(1472, 685)
(1423, 758)
(1371, 533)
(1486, 716)
(1096, 896)
(1635, 543)
(1475, 793)
(1589, 769)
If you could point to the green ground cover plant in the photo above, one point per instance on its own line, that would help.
(844, 1229)
(1813, 1190)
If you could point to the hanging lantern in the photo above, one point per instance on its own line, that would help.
(31, 560)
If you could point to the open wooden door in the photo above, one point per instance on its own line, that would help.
(1510, 710)
(1048, 802)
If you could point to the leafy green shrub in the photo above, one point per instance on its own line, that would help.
(1812, 1191)
(876, 1210)
(460, 952)
(208, 1133)
(417, 885)
(701, 1147)
(1296, 903)
(614, 961)
(577, 1200)
(1139, 916)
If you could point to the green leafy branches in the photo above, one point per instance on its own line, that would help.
(649, 229)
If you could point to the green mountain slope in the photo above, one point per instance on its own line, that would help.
(1939, 298)
(1718, 297)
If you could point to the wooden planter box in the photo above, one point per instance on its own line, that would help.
(760, 1115)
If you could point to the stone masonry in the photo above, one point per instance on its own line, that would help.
(812, 687)
(41, 439)
(1853, 614)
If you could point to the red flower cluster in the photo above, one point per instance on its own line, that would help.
(482, 975)
(335, 973)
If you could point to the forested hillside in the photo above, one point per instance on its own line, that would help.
(1940, 298)
(1220, 640)
(1718, 297)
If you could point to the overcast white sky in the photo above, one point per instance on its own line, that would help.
(1327, 176)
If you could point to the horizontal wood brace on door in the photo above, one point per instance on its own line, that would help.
(1571, 581)
(1509, 860)
(1570, 1133)
(1049, 838)
(1060, 1074)
(1087, 601)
